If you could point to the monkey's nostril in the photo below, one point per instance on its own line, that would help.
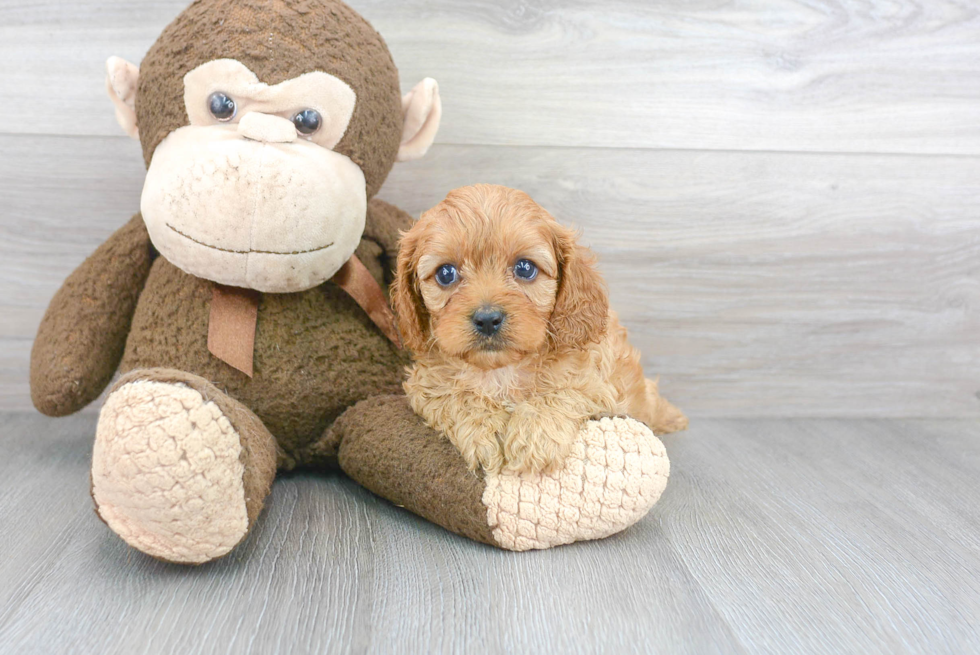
(487, 320)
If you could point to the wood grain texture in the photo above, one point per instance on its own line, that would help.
(828, 75)
(754, 283)
(774, 536)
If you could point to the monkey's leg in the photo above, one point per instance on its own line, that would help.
(615, 473)
(179, 469)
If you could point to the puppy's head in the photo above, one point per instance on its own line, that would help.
(488, 276)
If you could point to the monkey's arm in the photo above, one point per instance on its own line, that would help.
(383, 224)
(81, 338)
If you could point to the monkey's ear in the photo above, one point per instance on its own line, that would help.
(421, 113)
(121, 78)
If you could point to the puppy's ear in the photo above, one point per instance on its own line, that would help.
(582, 304)
(413, 317)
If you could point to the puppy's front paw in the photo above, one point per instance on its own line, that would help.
(478, 447)
(489, 455)
(536, 441)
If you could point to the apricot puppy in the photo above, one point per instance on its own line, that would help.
(515, 344)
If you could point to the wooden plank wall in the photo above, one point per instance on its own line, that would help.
(785, 194)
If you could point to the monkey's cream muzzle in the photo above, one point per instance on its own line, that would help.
(248, 202)
(254, 211)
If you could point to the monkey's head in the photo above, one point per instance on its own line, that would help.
(266, 126)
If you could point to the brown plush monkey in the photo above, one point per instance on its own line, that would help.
(243, 305)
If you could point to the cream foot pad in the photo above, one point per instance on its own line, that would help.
(616, 472)
(167, 474)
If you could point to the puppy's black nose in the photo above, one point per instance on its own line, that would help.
(487, 320)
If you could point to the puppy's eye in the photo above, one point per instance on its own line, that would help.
(307, 121)
(447, 275)
(221, 106)
(525, 270)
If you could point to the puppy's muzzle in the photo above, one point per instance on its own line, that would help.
(488, 320)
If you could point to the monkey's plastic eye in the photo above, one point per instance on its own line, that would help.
(307, 121)
(525, 270)
(446, 275)
(221, 106)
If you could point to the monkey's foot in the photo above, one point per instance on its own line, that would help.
(616, 472)
(614, 475)
(179, 469)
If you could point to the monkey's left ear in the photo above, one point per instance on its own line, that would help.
(421, 113)
(121, 78)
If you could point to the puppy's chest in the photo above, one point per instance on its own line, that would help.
(506, 386)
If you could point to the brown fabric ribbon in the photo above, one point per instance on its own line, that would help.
(354, 278)
(235, 311)
(231, 326)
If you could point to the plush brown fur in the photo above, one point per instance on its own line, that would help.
(82, 336)
(516, 400)
(316, 352)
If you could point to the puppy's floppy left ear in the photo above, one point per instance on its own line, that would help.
(410, 310)
(582, 305)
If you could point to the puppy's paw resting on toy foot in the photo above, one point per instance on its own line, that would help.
(537, 441)
(179, 470)
(480, 451)
(475, 437)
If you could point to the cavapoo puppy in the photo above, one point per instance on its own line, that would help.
(515, 344)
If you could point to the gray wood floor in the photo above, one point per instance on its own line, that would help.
(774, 536)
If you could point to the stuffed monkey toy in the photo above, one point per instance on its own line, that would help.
(245, 308)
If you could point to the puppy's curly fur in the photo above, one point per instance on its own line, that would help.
(514, 398)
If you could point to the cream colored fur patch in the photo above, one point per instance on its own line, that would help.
(616, 472)
(167, 474)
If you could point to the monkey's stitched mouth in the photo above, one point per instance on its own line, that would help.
(246, 252)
